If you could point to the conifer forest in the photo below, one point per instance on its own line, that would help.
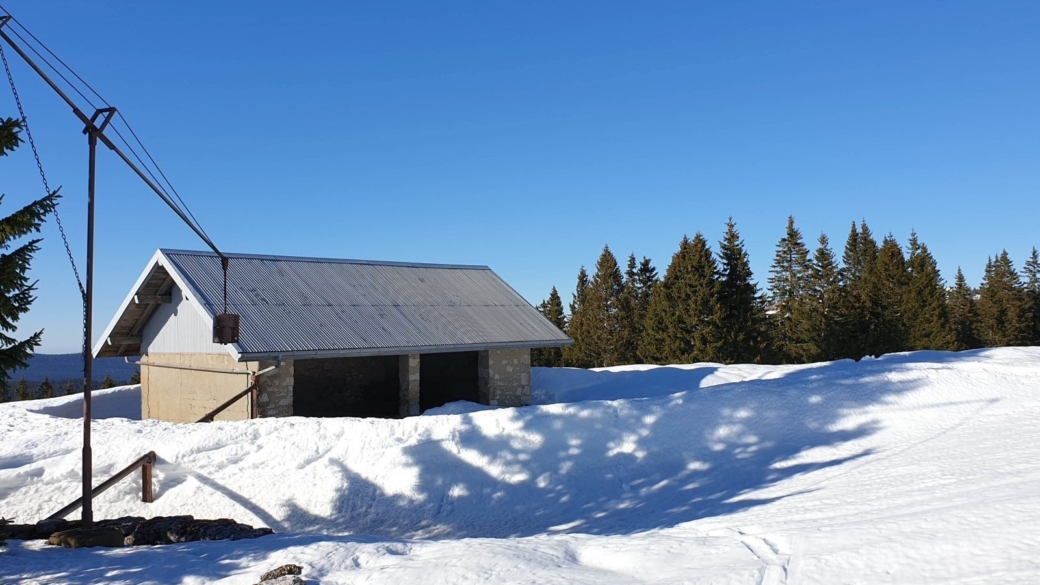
(876, 298)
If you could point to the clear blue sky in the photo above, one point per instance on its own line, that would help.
(526, 135)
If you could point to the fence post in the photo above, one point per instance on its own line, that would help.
(146, 483)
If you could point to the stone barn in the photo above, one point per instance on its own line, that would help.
(324, 337)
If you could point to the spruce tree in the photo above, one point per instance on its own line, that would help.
(68, 388)
(885, 285)
(1031, 272)
(136, 377)
(925, 311)
(604, 307)
(630, 322)
(742, 316)
(550, 357)
(16, 291)
(108, 382)
(824, 316)
(682, 323)
(963, 317)
(855, 332)
(789, 299)
(21, 390)
(46, 389)
(579, 326)
(1004, 318)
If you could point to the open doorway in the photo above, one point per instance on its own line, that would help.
(360, 386)
(447, 377)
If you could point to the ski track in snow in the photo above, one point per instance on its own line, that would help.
(911, 468)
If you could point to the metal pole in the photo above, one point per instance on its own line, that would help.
(88, 358)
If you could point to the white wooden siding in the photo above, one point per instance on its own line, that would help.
(177, 327)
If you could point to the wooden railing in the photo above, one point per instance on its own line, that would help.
(145, 462)
(209, 416)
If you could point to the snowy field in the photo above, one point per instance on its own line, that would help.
(913, 468)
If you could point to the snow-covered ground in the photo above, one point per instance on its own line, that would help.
(913, 468)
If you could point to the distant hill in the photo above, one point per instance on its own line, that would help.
(69, 366)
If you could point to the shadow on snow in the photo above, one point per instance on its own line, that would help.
(618, 467)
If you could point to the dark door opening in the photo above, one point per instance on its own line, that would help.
(361, 386)
(447, 377)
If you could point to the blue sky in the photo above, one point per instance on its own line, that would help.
(525, 136)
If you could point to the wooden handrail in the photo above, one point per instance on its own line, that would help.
(211, 414)
(145, 462)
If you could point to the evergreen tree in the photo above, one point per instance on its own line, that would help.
(682, 323)
(855, 332)
(16, 292)
(46, 389)
(579, 327)
(741, 316)
(136, 377)
(885, 285)
(550, 357)
(604, 307)
(1031, 272)
(630, 322)
(925, 310)
(108, 382)
(963, 317)
(646, 279)
(21, 390)
(824, 316)
(1003, 308)
(68, 388)
(791, 336)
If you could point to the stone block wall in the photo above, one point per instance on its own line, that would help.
(275, 395)
(504, 377)
(408, 379)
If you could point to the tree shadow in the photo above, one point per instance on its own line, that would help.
(618, 467)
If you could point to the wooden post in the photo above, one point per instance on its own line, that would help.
(146, 483)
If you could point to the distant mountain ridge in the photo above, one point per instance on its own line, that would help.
(69, 366)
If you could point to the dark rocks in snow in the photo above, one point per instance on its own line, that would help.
(168, 530)
(135, 530)
(284, 575)
(110, 536)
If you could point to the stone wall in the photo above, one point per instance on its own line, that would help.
(504, 377)
(408, 381)
(182, 395)
(275, 394)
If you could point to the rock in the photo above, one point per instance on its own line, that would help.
(127, 524)
(42, 530)
(187, 529)
(87, 537)
(284, 580)
(289, 569)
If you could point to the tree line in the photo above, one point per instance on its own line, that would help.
(878, 298)
(25, 390)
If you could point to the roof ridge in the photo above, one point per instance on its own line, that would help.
(273, 257)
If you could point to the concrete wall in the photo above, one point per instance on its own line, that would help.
(186, 396)
(504, 376)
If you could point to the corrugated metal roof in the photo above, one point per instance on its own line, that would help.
(312, 306)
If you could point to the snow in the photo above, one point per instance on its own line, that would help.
(911, 468)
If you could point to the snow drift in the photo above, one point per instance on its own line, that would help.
(918, 467)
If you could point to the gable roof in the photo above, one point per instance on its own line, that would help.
(316, 307)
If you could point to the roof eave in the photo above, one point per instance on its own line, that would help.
(378, 351)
